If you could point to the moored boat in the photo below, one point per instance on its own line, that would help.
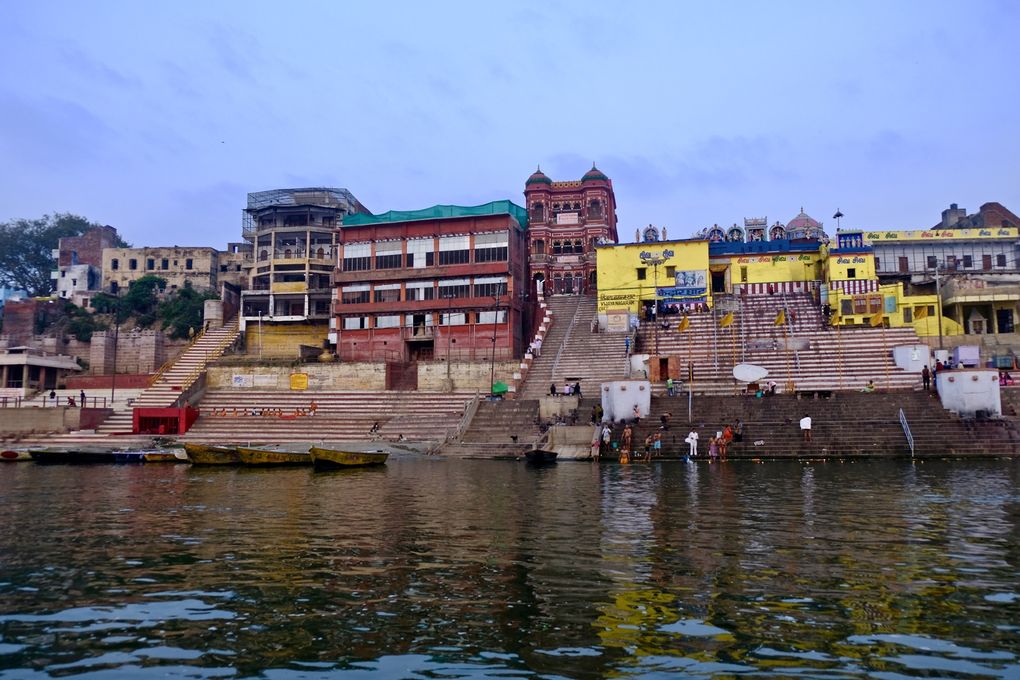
(174, 456)
(205, 454)
(269, 456)
(9, 456)
(540, 457)
(324, 458)
(72, 456)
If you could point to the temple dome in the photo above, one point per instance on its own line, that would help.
(538, 177)
(804, 226)
(594, 174)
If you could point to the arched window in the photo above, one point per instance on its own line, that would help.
(538, 212)
(263, 255)
(594, 208)
(578, 246)
(557, 248)
(540, 247)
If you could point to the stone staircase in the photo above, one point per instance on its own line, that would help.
(236, 416)
(850, 424)
(571, 352)
(806, 351)
(495, 427)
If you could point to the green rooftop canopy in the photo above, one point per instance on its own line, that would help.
(500, 387)
(440, 212)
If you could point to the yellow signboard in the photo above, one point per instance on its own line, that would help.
(289, 287)
(299, 381)
(941, 234)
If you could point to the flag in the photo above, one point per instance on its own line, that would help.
(781, 317)
(726, 320)
(876, 320)
(684, 324)
(921, 313)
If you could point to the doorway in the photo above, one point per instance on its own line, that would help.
(719, 282)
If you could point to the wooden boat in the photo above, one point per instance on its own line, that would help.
(540, 457)
(331, 459)
(272, 456)
(9, 456)
(205, 454)
(72, 456)
(175, 456)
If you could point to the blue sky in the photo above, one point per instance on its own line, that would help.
(158, 118)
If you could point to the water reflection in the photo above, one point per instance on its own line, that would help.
(470, 569)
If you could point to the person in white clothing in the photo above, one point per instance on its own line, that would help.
(692, 439)
(538, 347)
(805, 427)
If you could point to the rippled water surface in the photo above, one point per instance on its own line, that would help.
(434, 568)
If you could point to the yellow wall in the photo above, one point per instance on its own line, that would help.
(281, 340)
(619, 286)
(862, 263)
(927, 326)
(771, 268)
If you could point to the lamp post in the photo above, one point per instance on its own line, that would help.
(938, 294)
(492, 355)
(449, 312)
(113, 377)
(260, 335)
(655, 259)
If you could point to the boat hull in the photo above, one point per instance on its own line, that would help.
(333, 459)
(72, 457)
(9, 456)
(273, 457)
(540, 457)
(204, 454)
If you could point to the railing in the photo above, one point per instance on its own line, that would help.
(906, 431)
(470, 409)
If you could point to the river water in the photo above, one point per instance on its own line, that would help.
(432, 568)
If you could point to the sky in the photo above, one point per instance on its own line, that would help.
(159, 117)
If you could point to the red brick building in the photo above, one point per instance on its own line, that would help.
(566, 220)
(79, 271)
(447, 282)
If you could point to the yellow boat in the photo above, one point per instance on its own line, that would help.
(205, 454)
(274, 456)
(334, 458)
(176, 456)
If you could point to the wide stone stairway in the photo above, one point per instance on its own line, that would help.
(851, 424)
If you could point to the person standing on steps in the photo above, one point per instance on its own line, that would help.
(577, 388)
(552, 390)
(81, 396)
(926, 378)
(538, 347)
(692, 441)
(805, 427)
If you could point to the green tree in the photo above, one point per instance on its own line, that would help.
(183, 310)
(26, 249)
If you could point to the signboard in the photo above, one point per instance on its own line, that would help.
(616, 301)
(681, 294)
(694, 278)
(299, 381)
(773, 259)
(941, 234)
(567, 218)
(242, 381)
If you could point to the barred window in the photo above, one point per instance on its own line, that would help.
(490, 286)
(420, 290)
(354, 295)
(387, 261)
(454, 250)
(387, 293)
(357, 257)
(457, 288)
(491, 247)
(454, 257)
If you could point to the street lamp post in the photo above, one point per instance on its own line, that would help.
(492, 354)
(113, 377)
(449, 313)
(938, 295)
(260, 335)
(655, 259)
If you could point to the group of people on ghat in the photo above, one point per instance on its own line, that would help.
(266, 412)
(627, 449)
(568, 389)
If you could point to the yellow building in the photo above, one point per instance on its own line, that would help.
(632, 277)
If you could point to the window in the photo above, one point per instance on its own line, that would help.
(115, 264)
(354, 323)
(641, 273)
(114, 287)
(671, 272)
(908, 315)
(904, 263)
(387, 321)
(491, 247)
(860, 305)
(389, 292)
(538, 212)
(490, 286)
(388, 255)
(454, 319)
(540, 247)
(743, 274)
(846, 307)
(454, 250)
(132, 264)
(986, 262)
(594, 209)
(1000, 260)
(557, 247)
(933, 262)
(354, 295)
(457, 288)
(420, 290)
(495, 316)
(357, 257)
(420, 253)
(968, 261)
(951, 262)
(164, 264)
(851, 272)
(188, 263)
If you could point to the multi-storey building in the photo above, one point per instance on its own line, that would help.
(566, 221)
(293, 234)
(177, 265)
(79, 271)
(446, 282)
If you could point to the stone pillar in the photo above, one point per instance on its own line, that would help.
(150, 351)
(101, 353)
(212, 314)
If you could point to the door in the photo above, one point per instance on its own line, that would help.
(1003, 318)
(718, 282)
(904, 263)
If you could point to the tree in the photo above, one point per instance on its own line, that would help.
(26, 249)
(183, 311)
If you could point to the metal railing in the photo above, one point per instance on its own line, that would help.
(906, 431)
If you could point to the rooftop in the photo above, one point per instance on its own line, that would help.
(438, 212)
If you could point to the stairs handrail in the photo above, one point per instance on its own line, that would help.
(170, 362)
(215, 352)
(566, 338)
(906, 431)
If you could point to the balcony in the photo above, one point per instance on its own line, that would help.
(434, 272)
